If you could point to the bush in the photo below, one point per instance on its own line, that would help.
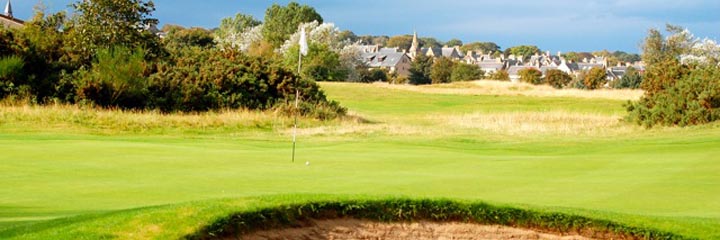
(466, 72)
(632, 79)
(420, 70)
(372, 75)
(201, 80)
(557, 79)
(692, 100)
(11, 69)
(441, 70)
(500, 75)
(116, 79)
(595, 78)
(321, 63)
(531, 75)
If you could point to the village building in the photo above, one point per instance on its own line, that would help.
(394, 62)
(8, 20)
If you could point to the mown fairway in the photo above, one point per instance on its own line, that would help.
(566, 154)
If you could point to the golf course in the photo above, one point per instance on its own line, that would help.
(74, 172)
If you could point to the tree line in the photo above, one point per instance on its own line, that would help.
(103, 55)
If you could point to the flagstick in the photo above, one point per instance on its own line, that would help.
(297, 98)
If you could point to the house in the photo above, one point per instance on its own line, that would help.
(394, 62)
(448, 52)
(8, 20)
(491, 67)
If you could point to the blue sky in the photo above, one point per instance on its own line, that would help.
(554, 25)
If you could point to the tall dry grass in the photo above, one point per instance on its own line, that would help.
(556, 123)
(67, 118)
(491, 87)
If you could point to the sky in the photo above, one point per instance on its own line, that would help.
(552, 25)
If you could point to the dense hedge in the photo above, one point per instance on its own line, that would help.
(413, 210)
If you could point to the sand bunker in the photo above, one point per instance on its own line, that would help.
(363, 229)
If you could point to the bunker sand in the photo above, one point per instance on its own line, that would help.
(363, 229)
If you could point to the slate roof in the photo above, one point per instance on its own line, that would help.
(491, 65)
(383, 59)
(588, 66)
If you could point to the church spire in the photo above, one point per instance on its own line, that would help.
(8, 9)
(415, 47)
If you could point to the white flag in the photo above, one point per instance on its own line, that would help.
(303, 42)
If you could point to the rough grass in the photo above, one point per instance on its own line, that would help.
(492, 87)
(557, 154)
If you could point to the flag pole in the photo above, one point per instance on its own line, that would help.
(297, 98)
(301, 51)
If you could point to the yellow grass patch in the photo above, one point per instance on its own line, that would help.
(491, 87)
(64, 117)
(541, 123)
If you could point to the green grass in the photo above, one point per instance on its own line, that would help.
(659, 178)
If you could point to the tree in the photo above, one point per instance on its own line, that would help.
(626, 57)
(531, 75)
(663, 60)
(420, 70)
(577, 56)
(485, 47)
(281, 22)
(523, 50)
(104, 24)
(631, 79)
(321, 63)
(182, 38)
(466, 72)
(595, 78)
(400, 41)
(441, 70)
(557, 79)
(428, 42)
(454, 42)
(116, 79)
(231, 28)
(681, 81)
(347, 35)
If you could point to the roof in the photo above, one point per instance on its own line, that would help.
(588, 66)
(435, 52)
(11, 22)
(389, 50)
(450, 53)
(515, 69)
(491, 65)
(544, 69)
(383, 59)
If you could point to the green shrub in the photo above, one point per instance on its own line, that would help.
(557, 79)
(11, 70)
(466, 72)
(632, 79)
(500, 75)
(531, 75)
(115, 79)
(373, 75)
(420, 70)
(321, 63)
(201, 80)
(441, 70)
(691, 100)
(595, 78)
